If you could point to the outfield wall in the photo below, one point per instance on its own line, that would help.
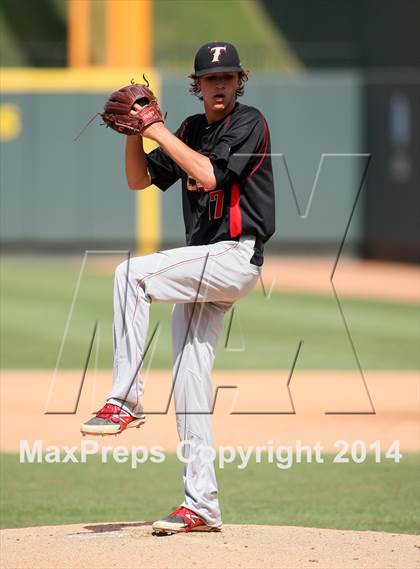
(57, 192)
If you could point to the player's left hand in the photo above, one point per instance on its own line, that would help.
(150, 131)
(119, 114)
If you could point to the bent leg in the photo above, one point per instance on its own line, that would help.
(160, 277)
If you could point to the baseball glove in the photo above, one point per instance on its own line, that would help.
(117, 109)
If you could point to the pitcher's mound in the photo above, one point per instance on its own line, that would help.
(132, 545)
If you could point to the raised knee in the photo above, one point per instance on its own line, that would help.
(132, 270)
(122, 270)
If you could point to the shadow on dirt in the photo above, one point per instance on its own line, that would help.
(104, 528)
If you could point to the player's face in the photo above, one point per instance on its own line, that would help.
(219, 92)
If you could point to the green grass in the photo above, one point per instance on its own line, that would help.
(368, 496)
(36, 297)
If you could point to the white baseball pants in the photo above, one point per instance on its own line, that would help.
(203, 282)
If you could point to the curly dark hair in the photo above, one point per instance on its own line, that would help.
(195, 89)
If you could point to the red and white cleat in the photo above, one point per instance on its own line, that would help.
(111, 420)
(182, 520)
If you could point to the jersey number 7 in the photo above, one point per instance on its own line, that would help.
(217, 197)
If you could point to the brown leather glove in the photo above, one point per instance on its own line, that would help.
(117, 109)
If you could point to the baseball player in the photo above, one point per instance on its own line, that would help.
(223, 160)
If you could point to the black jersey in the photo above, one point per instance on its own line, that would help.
(243, 201)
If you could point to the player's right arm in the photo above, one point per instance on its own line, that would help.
(138, 177)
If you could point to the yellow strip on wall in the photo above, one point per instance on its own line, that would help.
(81, 80)
(148, 214)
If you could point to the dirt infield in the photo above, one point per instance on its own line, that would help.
(364, 279)
(133, 545)
(395, 395)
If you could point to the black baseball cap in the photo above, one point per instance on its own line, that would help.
(216, 57)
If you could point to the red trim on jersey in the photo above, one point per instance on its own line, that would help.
(184, 126)
(227, 124)
(181, 132)
(235, 215)
(262, 150)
